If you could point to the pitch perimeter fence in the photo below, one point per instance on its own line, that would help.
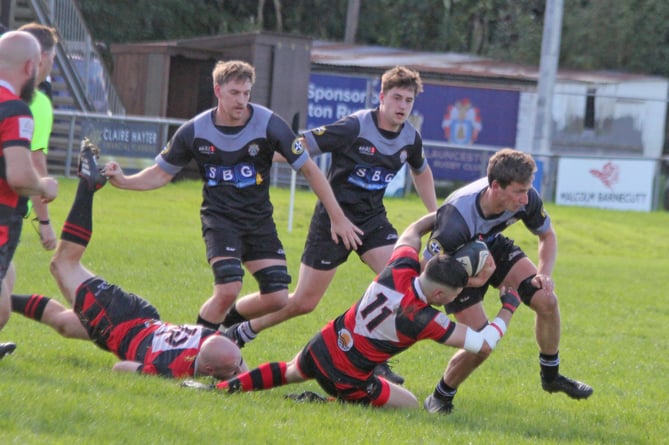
(618, 182)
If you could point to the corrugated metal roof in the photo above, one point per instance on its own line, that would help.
(450, 64)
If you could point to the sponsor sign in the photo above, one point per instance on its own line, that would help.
(605, 183)
(134, 145)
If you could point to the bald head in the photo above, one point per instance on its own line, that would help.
(20, 55)
(219, 357)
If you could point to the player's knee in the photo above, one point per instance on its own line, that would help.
(224, 297)
(273, 279)
(302, 306)
(227, 271)
(4, 316)
(56, 266)
(544, 302)
(527, 290)
(537, 298)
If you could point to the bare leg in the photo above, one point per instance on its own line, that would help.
(5, 291)
(77, 231)
(51, 313)
(311, 287)
(463, 363)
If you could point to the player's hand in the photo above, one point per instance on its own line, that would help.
(484, 275)
(194, 384)
(348, 232)
(544, 282)
(47, 236)
(49, 189)
(509, 298)
(112, 169)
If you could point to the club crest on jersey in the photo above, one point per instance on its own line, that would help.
(26, 127)
(206, 149)
(344, 340)
(367, 150)
(434, 247)
(320, 131)
(403, 156)
(166, 148)
(442, 320)
(297, 148)
(254, 149)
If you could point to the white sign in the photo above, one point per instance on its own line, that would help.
(606, 183)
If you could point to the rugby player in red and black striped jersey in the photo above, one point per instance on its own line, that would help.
(119, 321)
(394, 313)
(20, 56)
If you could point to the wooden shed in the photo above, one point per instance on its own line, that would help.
(173, 78)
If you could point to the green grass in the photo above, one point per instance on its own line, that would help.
(610, 278)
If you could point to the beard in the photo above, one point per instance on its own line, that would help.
(28, 89)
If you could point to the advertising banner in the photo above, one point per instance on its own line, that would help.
(133, 144)
(605, 183)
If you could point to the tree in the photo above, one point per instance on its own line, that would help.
(622, 35)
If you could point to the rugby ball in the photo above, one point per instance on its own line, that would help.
(472, 256)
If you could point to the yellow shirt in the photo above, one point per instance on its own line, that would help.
(42, 111)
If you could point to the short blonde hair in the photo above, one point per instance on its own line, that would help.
(233, 70)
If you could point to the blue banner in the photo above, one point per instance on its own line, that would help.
(133, 144)
(332, 97)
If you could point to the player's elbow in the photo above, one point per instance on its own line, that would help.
(485, 352)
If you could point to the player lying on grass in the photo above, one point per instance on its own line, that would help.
(119, 321)
(394, 313)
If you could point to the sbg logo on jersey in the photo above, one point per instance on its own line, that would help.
(344, 340)
(297, 148)
(240, 176)
(371, 178)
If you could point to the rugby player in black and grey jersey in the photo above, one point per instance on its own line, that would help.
(234, 145)
(368, 148)
(482, 210)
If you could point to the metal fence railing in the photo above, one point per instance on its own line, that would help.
(134, 141)
(78, 57)
(130, 138)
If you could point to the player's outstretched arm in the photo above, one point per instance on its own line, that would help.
(497, 328)
(126, 366)
(340, 225)
(484, 342)
(148, 179)
(424, 183)
(414, 232)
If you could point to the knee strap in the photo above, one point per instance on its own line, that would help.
(526, 289)
(272, 279)
(228, 270)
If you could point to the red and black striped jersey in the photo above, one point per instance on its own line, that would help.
(16, 130)
(163, 348)
(391, 316)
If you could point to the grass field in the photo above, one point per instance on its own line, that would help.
(611, 278)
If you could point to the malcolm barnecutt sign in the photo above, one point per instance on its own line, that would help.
(606, 183)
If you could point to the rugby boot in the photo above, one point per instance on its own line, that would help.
(88, 165)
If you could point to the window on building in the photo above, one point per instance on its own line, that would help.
(589, 122)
